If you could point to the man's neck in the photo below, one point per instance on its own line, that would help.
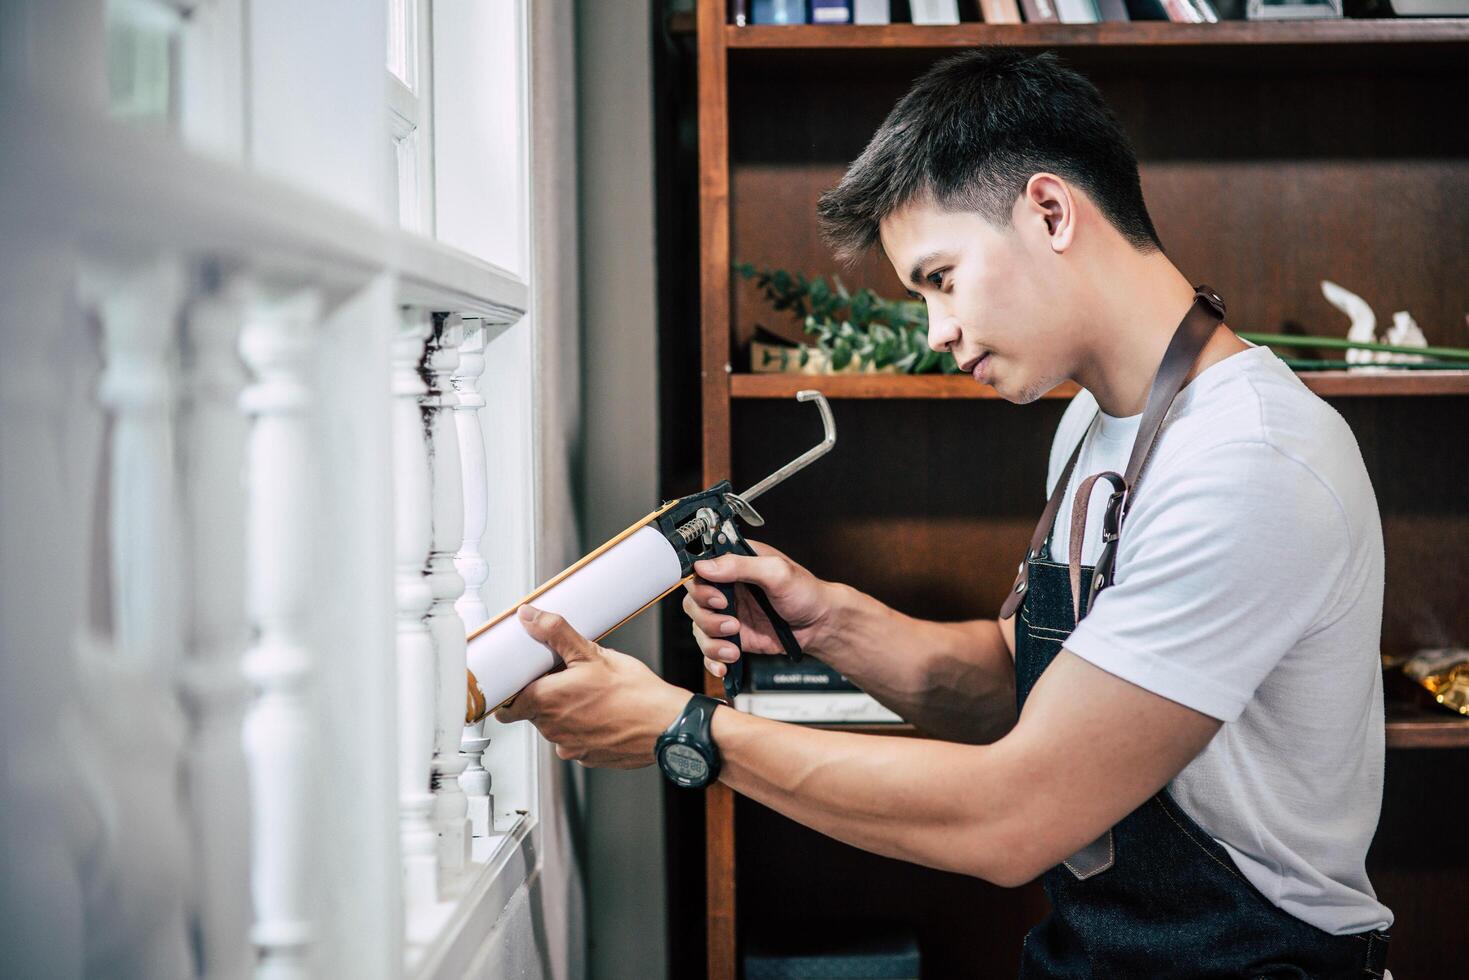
(1139, 303)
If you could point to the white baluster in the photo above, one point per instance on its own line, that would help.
(280, 733)
(213, 439)
(451, 806)
(138, 310)
(417, 670)
(475, 780)
(134, 711)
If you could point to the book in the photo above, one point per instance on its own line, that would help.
(816, 707)
(999, 11)
(1077, 11)
(831, 11)
(779, 674)
(873, 12)
(777, 11)
(934, 11)
(1039, 11)
(1113, 10)
(1206, 11)
(1146, 10)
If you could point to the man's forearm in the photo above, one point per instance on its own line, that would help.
(953, 680)
(933, 803)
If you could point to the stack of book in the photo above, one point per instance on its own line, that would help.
(808, 692)
(990, 11)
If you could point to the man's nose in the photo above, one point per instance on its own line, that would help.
(943, 333)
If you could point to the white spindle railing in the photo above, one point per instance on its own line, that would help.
(213, 442)
(447, 534)
(280, 734)
(417, 670)
(137, 309)
(475, 780)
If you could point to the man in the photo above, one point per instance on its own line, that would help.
(1196, 765)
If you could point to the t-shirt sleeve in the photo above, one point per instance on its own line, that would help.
(1221, 569)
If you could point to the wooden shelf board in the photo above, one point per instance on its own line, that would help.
(1328, 384)
(1123, 34)
(1408, 727)
(871, 386)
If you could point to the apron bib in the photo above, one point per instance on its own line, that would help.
(1155, 897)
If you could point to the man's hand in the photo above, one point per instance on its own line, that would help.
(802, 599)
(604, 709)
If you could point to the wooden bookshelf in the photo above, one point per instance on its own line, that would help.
(1409, 726)
(1327, 384)
(1273, 155)
(812, 37)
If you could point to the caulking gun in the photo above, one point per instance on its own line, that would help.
(629, 574)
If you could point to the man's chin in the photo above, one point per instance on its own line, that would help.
(1023, 394)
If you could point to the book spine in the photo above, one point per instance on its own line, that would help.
(1076, 11)
(873, 12)
(776, 674)
(1113, 10)
(934, 11)
(777, 11)
(1039, 11)
(831, 11)
(999, 11)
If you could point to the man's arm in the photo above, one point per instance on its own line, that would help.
(953, 680)
(1088, 749)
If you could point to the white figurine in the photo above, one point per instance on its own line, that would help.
(1403, 333)
(1364, 321)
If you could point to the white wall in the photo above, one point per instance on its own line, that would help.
(625, 840)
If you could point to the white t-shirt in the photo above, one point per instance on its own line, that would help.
(1249, 587)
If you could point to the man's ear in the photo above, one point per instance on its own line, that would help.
(1047, 200)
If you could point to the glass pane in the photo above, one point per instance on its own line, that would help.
(143, 60)
(403, 41)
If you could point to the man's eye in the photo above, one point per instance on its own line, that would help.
(912, 294)
(936, 279)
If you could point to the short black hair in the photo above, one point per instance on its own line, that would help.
(971, 132)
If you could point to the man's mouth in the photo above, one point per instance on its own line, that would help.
(977, 367)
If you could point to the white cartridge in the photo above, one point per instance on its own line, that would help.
(594, 598)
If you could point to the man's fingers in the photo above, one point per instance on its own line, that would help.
(714, 667)
(714, 624)
(770, 572)
(518, 708)
(556, 633)
(715, 649)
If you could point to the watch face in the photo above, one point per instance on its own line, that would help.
(685, 763)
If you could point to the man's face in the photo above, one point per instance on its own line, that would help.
(986, 294)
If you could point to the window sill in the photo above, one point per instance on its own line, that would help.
(453, 932)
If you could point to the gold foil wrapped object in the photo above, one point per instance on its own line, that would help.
(1444, 674)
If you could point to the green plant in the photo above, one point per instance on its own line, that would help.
(847, 326)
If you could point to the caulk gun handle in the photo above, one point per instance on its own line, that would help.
(734, 674)
(788, 641)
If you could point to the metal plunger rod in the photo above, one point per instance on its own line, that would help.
(806, 458)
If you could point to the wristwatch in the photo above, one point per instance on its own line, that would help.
(685, 751)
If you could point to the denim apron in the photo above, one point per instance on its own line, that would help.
(1156, 896)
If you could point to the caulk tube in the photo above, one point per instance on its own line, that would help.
(596, 595)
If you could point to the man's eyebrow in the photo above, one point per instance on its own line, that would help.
(917, 274)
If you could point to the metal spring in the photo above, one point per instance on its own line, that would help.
(695, 528)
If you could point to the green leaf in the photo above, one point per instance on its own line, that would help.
(841, 354)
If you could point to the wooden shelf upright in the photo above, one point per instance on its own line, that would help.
(1273, 155)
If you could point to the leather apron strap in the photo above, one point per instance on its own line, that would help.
(1193, 332)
